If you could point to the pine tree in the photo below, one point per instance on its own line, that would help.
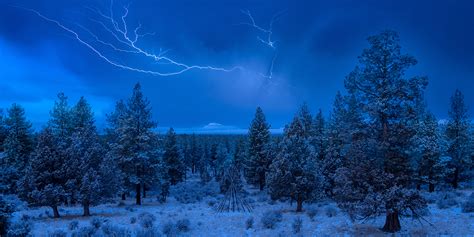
(294, 173)
(171, 158)
(387, 101)
(60, 121)
(116, 151)
(433, 168)
(256, 166)
(3, 130)
(457, 133)
(18, 146)
(336, 141)
(44, 181)
(85, 160)
(320, 138)
(136, 139)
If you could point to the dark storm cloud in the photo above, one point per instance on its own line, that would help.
(319, 42)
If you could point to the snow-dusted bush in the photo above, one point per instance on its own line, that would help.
(115, 231)
(297, 225)
(130, 209)
(5, 211)
(271, 218)
(468, 206)
(249, 223)
(446, 200)
(21, 228)
(96, 222)
(331, 211)
(148, 232)
(169, 229)
(183, 225)
(73, 225)
(133, 220)
(57, 233)
(191, 193)
(146, 219)
(311, 212)
(85, 231)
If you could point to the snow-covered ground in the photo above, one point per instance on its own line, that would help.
(206, 221)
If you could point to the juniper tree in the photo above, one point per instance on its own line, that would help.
(294, 173)
(386, 99)
(257, 163)
(171, 158)
(44, 181)
(457, 133)
(17, 147)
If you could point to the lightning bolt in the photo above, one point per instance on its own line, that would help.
(128, 41)
(266, 40)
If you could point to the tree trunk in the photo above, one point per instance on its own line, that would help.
(138, 194)
(86, 208)
(123, 197)
(456, 178)
(55, 211)
(392, 223)
(262, 180)
(299, 204)
(431, 188)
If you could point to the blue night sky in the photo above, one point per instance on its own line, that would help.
(318, 43)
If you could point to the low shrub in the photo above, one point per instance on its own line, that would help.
(169, 229)
(331, 211)
(446, 200)
(468, 206)
(271, 218)
(148, 232)
(57, 233)
(146, 219)
(311, 212)
(249, 223)
(183, 225)
(73, 225)
(86, 231)
(297, 225)
(96, 222)
(110, 230)
(21, 228)
(133, 220)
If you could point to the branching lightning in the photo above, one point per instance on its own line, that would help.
(126, 43)
(267, 39)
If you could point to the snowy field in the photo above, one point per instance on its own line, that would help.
(197, 203)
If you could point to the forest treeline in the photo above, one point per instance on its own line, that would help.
(373, 153)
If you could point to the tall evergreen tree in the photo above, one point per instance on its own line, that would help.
(387, 101)
(136, 139)
(18, 146)
(320, 138)
(294, 173)
(258, 162)
(433, 168)
(3, 130)
(85, 159)
(44, 181)
(457, 133)
(171, 158)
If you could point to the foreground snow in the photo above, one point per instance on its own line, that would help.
(205, 221)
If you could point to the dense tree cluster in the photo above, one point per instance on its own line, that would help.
(378, 148)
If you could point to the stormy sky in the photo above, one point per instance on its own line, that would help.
(317, 46)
